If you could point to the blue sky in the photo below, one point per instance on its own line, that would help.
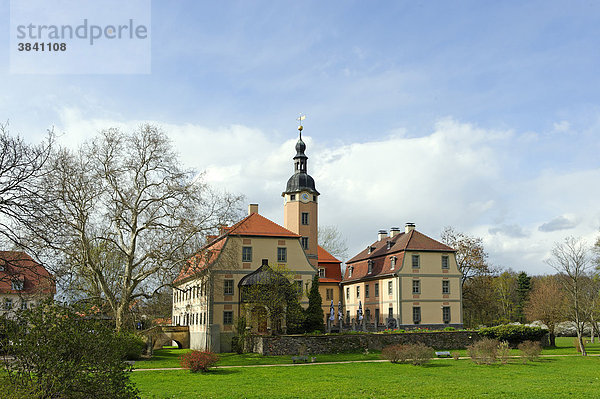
(479, 115)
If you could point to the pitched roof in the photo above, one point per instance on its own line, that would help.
(18, 265)
(381, 256)
(411, 241)
(252, 225)
(333, 271)
(258, 225)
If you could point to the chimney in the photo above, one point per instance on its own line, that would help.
(252, 208)
(408, 227)
(394, 231)
(381, 235)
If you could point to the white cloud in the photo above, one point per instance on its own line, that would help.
(457, 175)
(558, 223)
(561, 127)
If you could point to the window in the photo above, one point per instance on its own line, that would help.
(246, 254)
(376, 290)
(293, 197)
(370, 249)
(304, 242)
(415, 261)
(347, 316)
(391, 312)
(8, 304)
(347, 292)
(370, 263)
(416, 287)
(228, 317)
(329, 294)
(281, 254)
(367, 291)
(17, 285)
(390, 291)
(389, 245)
(393, 262)
(445, 264)
(446, 314)
(350, 271)
(416, 314)
(305, 218)
(445, 287)
(314, 198)
(228, 287)
(23, 305)
(377, 316)
(299, 287)
(368, 315)
(358, 291)
(321, 272)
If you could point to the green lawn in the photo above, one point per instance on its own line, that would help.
(548, 378)
(169, 357)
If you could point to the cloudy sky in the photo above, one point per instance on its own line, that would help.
(476, 115)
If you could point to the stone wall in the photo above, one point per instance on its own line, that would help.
(318, 344)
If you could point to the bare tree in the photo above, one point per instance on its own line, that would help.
(471, 257)
(332, 240)
(571, 259)
(547, 303)
(130, 216)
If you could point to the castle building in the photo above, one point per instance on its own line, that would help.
(207, 294)
(24, 283)
(404, 280)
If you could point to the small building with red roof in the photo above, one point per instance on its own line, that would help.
(23, 282)
(404, 280)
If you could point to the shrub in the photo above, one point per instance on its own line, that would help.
(513, 334)
(132, 345)
(417, 354)
(449, 328)
(198, 360)
(530, 350)
(504, 352)
(61, 354)
(484, 351)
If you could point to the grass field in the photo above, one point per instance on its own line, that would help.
(550, 377)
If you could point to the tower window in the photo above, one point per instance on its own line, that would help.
(314, 198)
(305, 218)
(304, 242)
(246, 254)
(281, 254)
(293, 197)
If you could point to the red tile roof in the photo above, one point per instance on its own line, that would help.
(252, 225)
(18, 265)
(381, 255)
(333, 271)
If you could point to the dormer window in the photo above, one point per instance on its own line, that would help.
(17, 285)
(370, 263)
(393, 262)
(389, 245)
(350, 271)
(370, 249)
(321, 272)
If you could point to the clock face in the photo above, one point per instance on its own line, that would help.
(304, 197)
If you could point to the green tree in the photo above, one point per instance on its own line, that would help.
(63, 353)
(523, 289)
(314, 312)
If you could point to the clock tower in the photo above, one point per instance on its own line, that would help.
(300, 209)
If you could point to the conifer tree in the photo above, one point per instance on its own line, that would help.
(314, 312)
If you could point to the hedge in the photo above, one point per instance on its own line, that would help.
(513, 334)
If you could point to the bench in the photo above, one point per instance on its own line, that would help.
(443, 354)
(299, 359)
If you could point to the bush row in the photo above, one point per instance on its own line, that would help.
(513, 334)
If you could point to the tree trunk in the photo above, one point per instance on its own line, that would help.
(580, 341)
(552, 339)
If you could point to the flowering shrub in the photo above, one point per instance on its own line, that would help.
(198, 360)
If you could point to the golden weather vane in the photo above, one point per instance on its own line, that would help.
(300, 118)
